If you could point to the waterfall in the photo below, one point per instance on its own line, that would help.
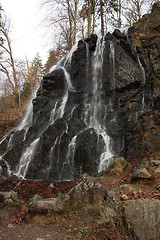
(27, 120)
(27, 156)
(24, 125)
(112, 59)
(92, 109)
(71, 151)
(87, 60)
(56, 113)
(79, 109)
(69, 161)
(143, 82)
(53, 113)
(69, 56)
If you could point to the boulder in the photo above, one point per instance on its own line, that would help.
(53, 205)
(118, 166)
(54, 80)
(119, 35)
(107, 215)
(142, 217)
(141, 173)
(92, 40)
(88, 191)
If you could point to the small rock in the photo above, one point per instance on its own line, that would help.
(158, 187)
(10, 226)
(157, 171)
(52, 185)
(141, 173)
(14, 196)
(9, 203)
(124, 197)
(6, 195)
(155, 162)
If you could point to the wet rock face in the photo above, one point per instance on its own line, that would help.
(87, 152)
(15, 148)
(83, 111)
(52, 87)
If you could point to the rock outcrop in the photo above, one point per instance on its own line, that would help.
(86, 107)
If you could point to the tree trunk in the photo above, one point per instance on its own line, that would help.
(89, 18)
(12, 61)
(75, 21)
(138, 9)
(102, 17)
(119, 14)
(93, 15)
(70, 24)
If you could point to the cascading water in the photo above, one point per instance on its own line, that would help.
(28, 155)
(56, 113)
(23, 126)
(26, 158)
(27, 121)
(92, 110)
(143, 82)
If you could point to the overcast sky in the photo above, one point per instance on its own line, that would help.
(27, 33)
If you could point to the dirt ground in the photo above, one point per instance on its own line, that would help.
(75, 224)
(39, 227)
(16, 223)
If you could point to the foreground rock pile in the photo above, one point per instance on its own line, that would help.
(120, 200)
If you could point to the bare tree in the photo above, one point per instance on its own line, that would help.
(7, 64)
(134, 9)
(63, 16)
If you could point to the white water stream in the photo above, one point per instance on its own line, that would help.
(27, 156)
(94, 108)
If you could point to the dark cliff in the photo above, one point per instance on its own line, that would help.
(86, 110)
